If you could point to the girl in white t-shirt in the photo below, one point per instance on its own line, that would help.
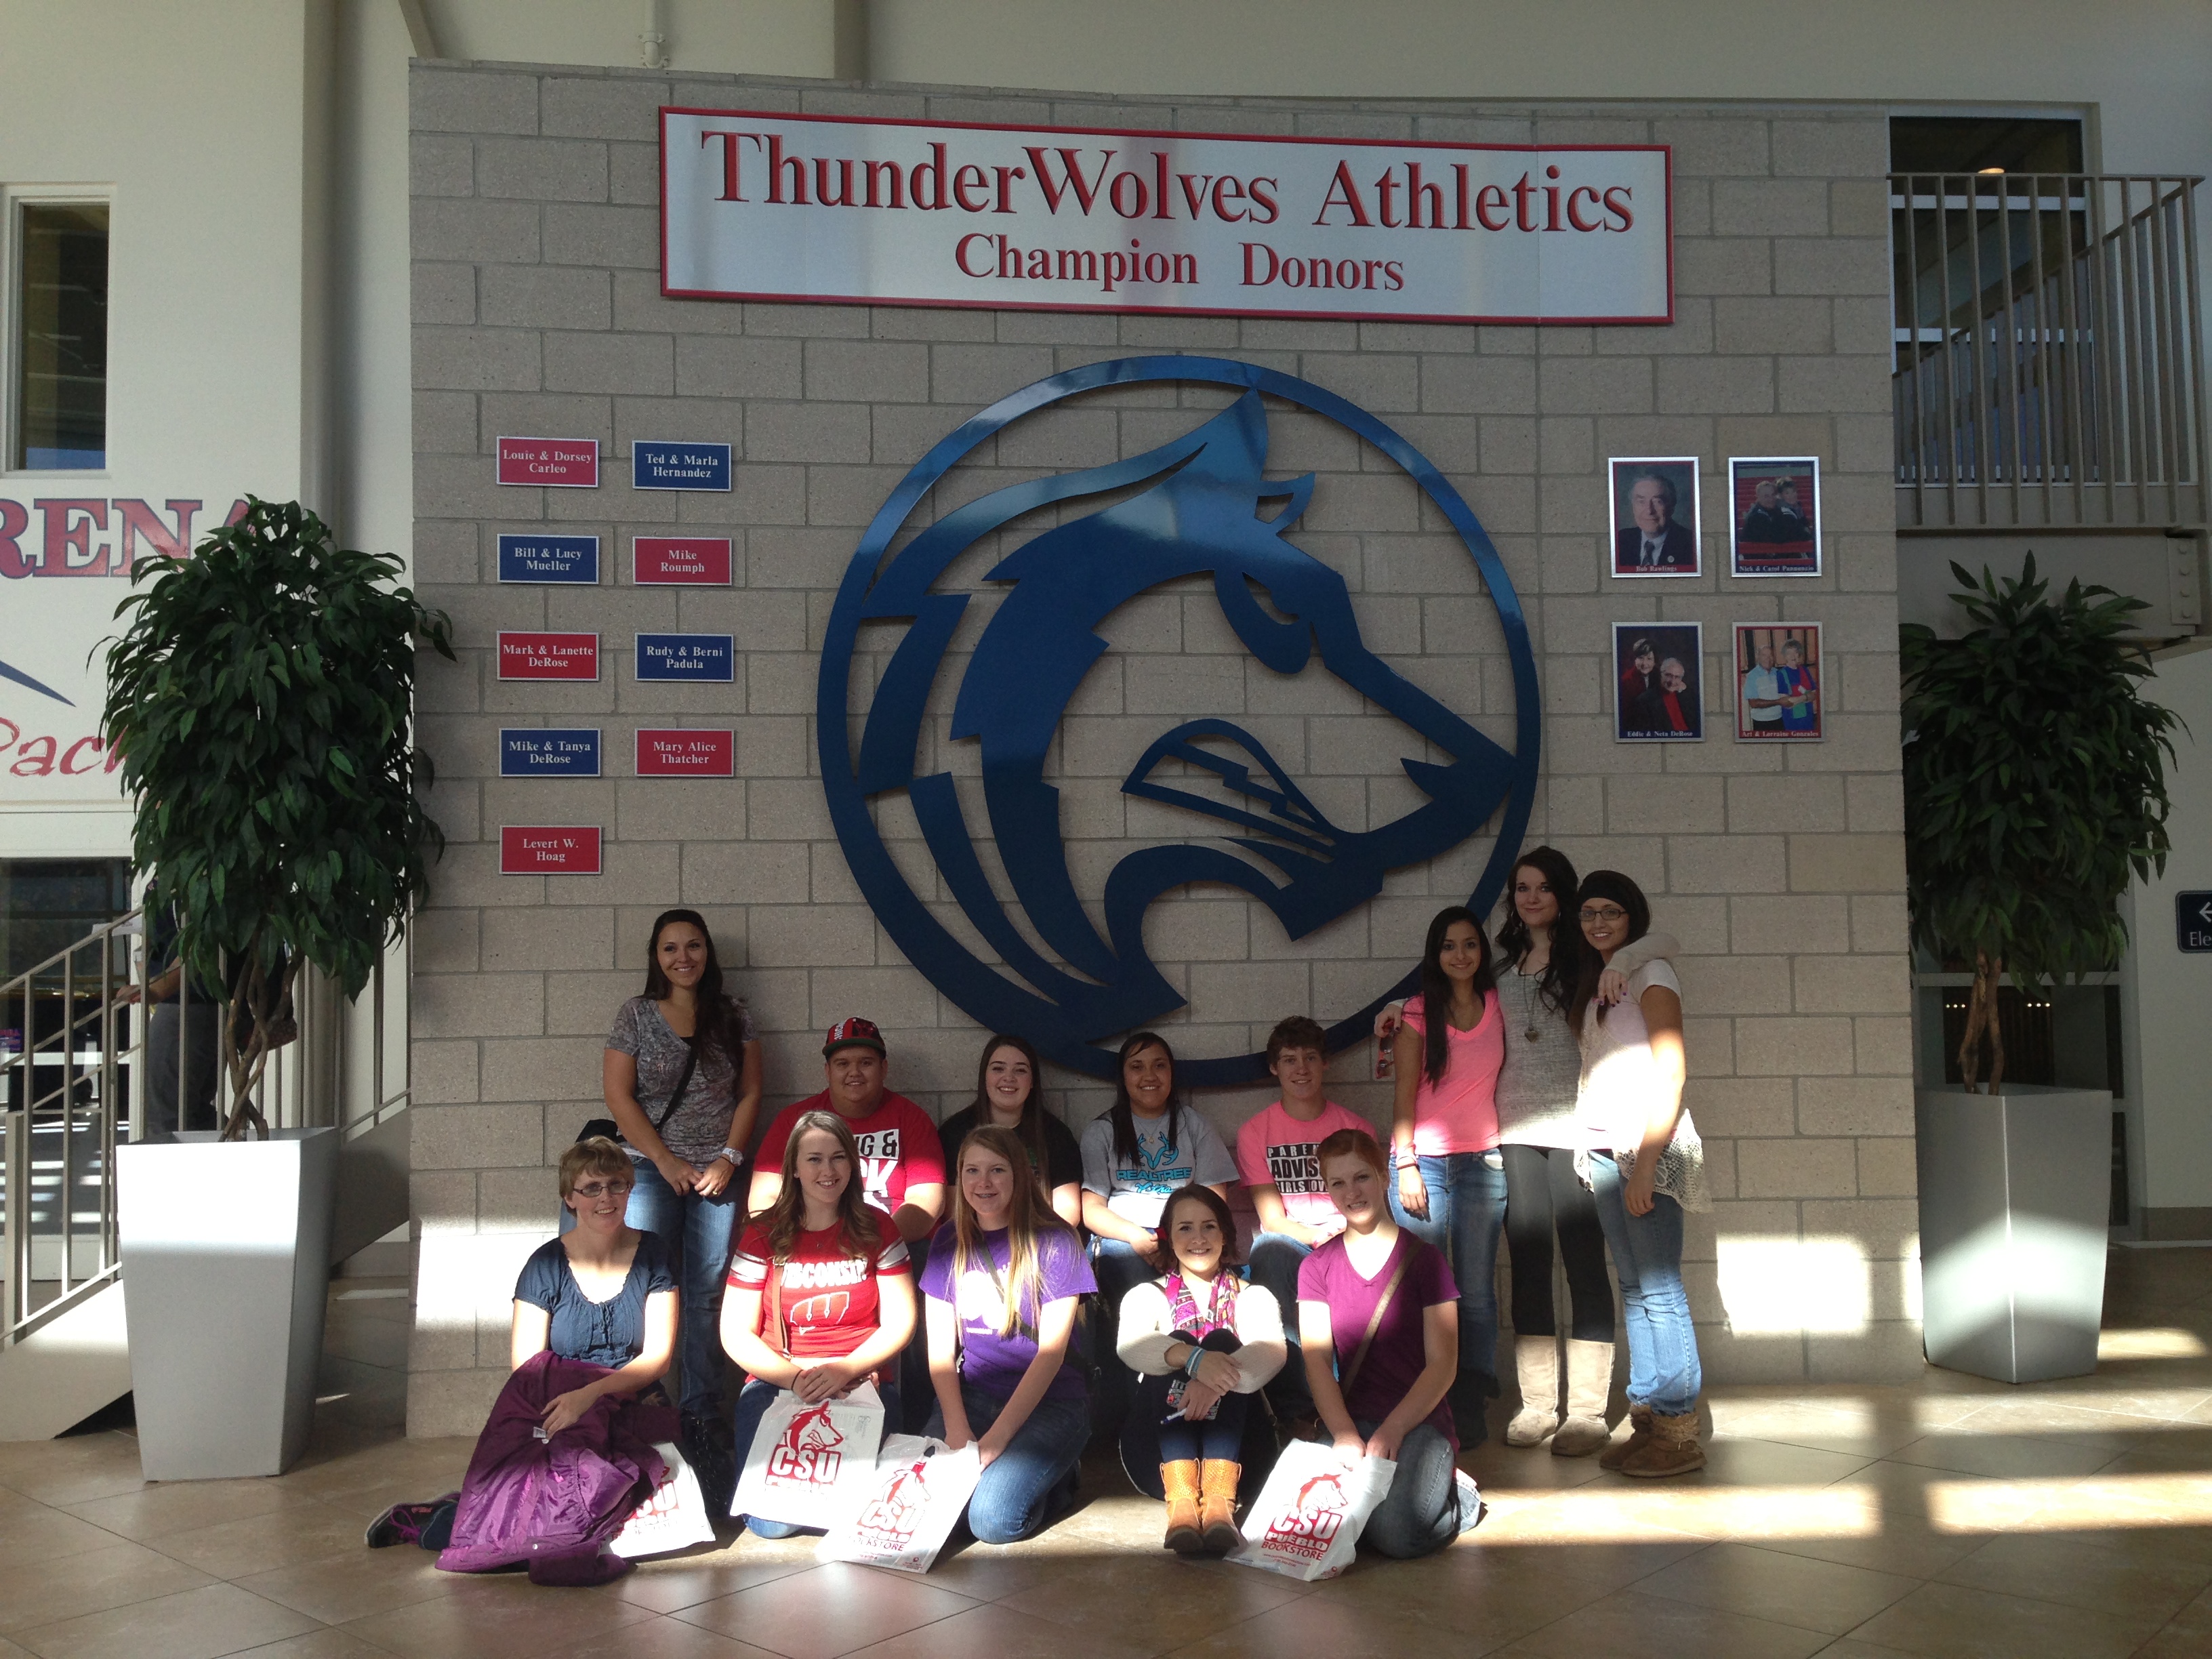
(1647, 1170)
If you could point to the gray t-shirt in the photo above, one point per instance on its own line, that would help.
(1138, 1191)
(1537, 1085)
(696, 1131)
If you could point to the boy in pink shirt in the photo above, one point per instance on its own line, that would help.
(1275, 1161)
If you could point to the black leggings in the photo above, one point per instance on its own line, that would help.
(1541, 1192)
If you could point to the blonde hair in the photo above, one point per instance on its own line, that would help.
(598, 1155)
(1027, 1219)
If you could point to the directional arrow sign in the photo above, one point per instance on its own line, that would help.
(2193, 921)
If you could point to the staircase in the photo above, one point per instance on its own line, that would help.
(74, 1083)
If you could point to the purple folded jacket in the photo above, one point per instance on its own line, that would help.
(536, 1501)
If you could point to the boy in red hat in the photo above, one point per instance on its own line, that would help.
(902, 1165)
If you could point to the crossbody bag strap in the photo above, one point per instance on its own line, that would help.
(682, 1082)
(1374, 1323)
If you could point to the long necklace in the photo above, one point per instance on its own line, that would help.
(1536, 1032)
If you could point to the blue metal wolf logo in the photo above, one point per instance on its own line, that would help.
(1202, 507)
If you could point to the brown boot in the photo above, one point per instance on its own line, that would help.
(1640, 1437)
(1590, 1380)
(1217, 1513)
(1180, 1481)
(1672, 1449)
(1537, 1360)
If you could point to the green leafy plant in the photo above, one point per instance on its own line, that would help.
(2033, 787)
(261, 697)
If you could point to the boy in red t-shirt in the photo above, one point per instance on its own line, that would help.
(1275, 1160)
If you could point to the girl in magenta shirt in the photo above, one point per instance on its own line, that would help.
(1449, 1190)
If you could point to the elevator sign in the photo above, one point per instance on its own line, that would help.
(762, 206)
(2193, 921)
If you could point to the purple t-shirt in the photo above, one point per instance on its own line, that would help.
(991, 1359)
(1398, 1353)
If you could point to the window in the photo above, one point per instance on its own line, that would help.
(48, 904)
(59, 347)
(1984, 144)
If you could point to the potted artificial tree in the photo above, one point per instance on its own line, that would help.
(262, 699)
(2033, 786)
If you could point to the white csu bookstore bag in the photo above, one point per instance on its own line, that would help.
(808, 1463)
(919, 1491)
(1317, 1501)
(674, 1518)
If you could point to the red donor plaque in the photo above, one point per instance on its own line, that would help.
(564, 463)
(686, 754)
(697, 560)
(548, 656)
(553, 850)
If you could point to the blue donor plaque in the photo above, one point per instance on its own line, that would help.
(655, 466)
(535, 558)
(536, 752)
(685, 656)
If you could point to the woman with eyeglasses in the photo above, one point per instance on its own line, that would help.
(1646, 1170)
(1540, 1138)
(601, 1296)
(682, 1075)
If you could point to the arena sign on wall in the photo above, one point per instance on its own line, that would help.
(761, 206)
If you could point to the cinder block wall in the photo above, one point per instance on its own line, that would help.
(537, 311)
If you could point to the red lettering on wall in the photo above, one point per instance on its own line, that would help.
(70, 550)
(36, 763)
(69, 768)
(731, 193)
(137, 518)
(1344, 193)
(1071, 178)
(14, 519)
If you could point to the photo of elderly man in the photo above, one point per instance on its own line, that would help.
(1778, 682)
(1655, 516)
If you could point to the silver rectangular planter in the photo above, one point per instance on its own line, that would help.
(2015, 1195)
(226, 1267)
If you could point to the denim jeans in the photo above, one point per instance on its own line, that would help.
(1663, 1372)
(1275, 1259)
(1466, 1209)
(1014, 1498)
(696, 1232)
(753, 1400)
(1420, 1514)
(1119, 1270)
(1151, 1437)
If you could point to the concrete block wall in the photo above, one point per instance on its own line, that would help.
(537, 310)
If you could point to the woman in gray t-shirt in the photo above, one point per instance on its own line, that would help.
(688, 1150)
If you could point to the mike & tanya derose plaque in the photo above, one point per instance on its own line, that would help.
(538, 752)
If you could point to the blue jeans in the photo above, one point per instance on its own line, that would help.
(1119, 1270)
(1663, 1372)
(1275, 1259)
(696, 1232)
(1014, 1498)
(1466, 1209)
(754, 1399)
(1420, 1513)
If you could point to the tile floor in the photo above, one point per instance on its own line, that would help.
(1953, 1517)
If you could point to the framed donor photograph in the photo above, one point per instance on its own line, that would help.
(1658, 690)
(1655, 516)
(1777, 683)
(1774, 516)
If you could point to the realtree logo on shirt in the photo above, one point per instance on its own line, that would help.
(1156, 1172)
(1295, 1169)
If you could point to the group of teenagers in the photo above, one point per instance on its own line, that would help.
(1000, 1280)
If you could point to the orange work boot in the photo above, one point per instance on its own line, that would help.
(1180, 1482)
(1218, 1505)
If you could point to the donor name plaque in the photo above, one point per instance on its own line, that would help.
(548, 656)
(537, 752)
(762, 206)
(565, 559)
(686, 657)
(548, 850)
(680, 561)
(657, 465)
(684, 753)
(562, 463)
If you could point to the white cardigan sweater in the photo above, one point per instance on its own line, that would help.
(1148, 1327)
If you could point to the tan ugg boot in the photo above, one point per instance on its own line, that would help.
(1640, 1437)
(1180, 1481)
(1589, 1379)
(1217, 1505)
(1537, 1360)
(1672, 1449)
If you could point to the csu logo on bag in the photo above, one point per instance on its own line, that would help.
(892, 1515)
(960, 644)
(1313, 1521)
(807, 1455)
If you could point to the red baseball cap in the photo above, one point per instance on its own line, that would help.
(852, 1034)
